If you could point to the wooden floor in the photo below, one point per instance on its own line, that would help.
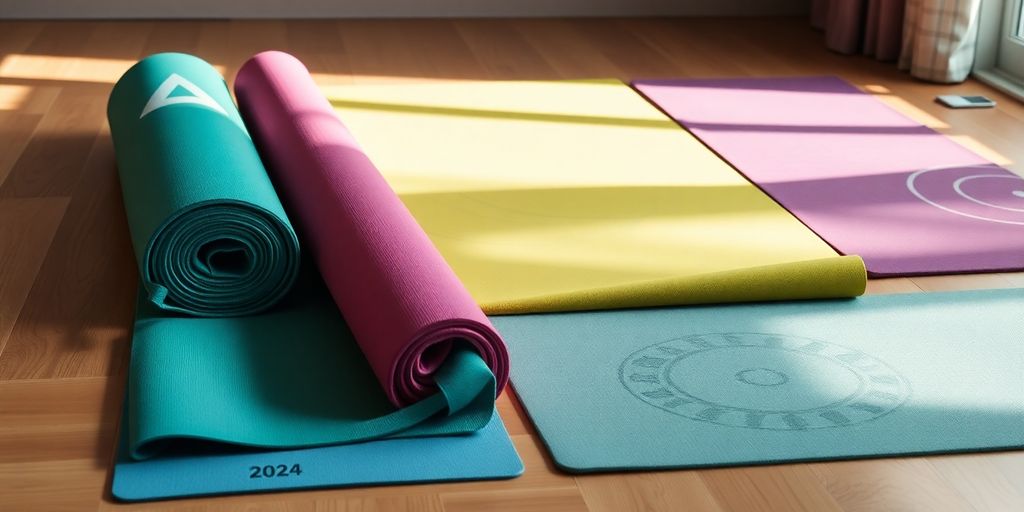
(67, 276)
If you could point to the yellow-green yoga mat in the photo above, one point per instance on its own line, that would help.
(209, 232)
(574, 195)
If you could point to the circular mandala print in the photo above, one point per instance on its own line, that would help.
(983, 192)
(765, 381)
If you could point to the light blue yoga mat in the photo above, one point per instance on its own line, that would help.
(759, 384)
(482, 455)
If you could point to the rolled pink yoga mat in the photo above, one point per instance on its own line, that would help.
(402, 301)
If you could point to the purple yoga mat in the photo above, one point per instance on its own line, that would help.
(402, 301)
(867, 179)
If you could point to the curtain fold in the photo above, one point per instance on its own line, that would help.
(939, 38)
(932, 39)
(871, 27)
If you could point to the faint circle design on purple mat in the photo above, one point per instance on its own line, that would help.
(981, 192)
(764, 381)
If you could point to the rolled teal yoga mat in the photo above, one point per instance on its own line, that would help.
(758, 384)
(209, 232)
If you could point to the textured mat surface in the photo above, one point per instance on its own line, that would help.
(868, 179)
(756, 384)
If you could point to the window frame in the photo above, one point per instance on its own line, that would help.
(998, 43)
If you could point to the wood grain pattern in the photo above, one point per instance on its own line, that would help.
(983, 484)
(910, 484)
(75, 321)
(25, 245)
(661, 490)
(790, 487)
(67, 276)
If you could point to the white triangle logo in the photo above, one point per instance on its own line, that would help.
(162, 96)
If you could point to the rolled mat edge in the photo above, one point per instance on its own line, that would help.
(209, 233)
(838, 277)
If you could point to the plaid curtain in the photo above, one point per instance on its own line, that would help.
(932, 39)
(939, 37)
(871, 27)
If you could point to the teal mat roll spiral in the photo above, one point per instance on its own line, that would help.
(209, 232)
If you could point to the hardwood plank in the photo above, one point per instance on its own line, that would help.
(565, 49)
(15, 36)
(910, 484)
(377, 51)
(1011, 466)
(25, 99)
(59, 419)
(685, 45)
(978, 479)
(617, 42)
(1015, 278)
(513, 414)
(228, 44)
(788, 487)
(74, 116)
(295, 502)
(246, 39)
(641, 492)
(85, 52)
(27, 227)
(313, 37)
(565, 499)
(442, 49)
(57, 485)
(51, 162)
(21, 109)
(212, 41)
(892, 285)
(502, 53)
(61, 38)
(426, 503)
(962, 282)
(76, 319)
(115, 40)
(172, 36)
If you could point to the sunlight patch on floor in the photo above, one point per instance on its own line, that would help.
(917, 114)
(12, 97)
(981, 148)
(67, 69)
(327, 79)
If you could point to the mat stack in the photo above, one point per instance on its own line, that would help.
(573, 196)
(238, 343)
(563, 209)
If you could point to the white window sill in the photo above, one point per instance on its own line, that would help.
(1004, 82)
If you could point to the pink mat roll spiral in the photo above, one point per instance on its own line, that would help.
(402, 301)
